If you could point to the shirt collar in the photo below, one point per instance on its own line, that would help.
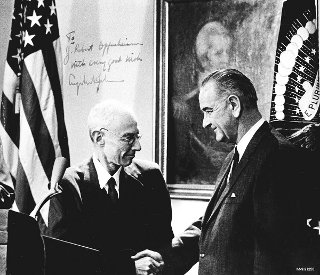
(103, 175)
(244, 141)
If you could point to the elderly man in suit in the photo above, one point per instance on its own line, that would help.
(112, 201)
(254, 223)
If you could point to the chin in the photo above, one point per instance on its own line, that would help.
(127, 162)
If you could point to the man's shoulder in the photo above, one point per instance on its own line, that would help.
(274, 138)
(284, 145)
(140, 168)
(79, 170)
(75, 175)
(84, 164)
(144, 165)
(283, 153)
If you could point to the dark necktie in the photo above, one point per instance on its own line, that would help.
(234, 163)
(112, 191)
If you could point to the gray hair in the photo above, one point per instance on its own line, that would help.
(104, 113)
(233, 81)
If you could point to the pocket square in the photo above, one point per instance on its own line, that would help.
(233, 195)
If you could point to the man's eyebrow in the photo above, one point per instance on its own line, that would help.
(205, 109)
(130, 134)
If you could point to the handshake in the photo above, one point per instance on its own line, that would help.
(148, 262)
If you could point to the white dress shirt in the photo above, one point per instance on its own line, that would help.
(104, 176)
(244, 141)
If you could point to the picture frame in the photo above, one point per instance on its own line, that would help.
(194, 38)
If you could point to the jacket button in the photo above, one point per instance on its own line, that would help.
(201, 255)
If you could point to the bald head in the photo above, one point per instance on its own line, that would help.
(114, 133)
(109, 114)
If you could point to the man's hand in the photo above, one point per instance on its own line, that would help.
(148, 262)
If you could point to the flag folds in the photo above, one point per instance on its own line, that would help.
(295, 103)
(296, 96)
(32, 127)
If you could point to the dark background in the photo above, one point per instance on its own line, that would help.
(194, 157)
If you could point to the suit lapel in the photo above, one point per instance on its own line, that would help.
(89, 187)
(221, 177)
(91, 174)
(252, 146)
(128, 186)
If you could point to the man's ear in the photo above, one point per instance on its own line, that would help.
(97, 138)
(235, 105)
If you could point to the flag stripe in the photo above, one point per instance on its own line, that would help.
(30, 69)
(40, 79)
(10, 82)
(31, 163)
(38, 127)
(58, 53)
(50, 62)
(24, 199)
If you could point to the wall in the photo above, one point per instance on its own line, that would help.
(119, 35)
(184, 213)
(106, 21)
(94, 30)
(107, 51)
(127, 72)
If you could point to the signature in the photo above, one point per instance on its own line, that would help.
(89, 81)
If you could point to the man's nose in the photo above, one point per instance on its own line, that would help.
(206, 123)
(136, 146)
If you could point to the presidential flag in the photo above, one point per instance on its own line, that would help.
(295, 96)
(296, 99)
(32, 128)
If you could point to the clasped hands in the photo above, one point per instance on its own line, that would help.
(148, 262)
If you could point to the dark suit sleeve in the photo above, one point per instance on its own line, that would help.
(183, 253)
(179, 253)
(280, 242)
(159, 209)
(65, 217)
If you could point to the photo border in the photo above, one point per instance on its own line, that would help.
(177, 191)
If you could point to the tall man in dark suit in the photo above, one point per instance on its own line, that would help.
(112, 201)
(254, 223)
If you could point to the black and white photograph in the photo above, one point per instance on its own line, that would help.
(159, 137)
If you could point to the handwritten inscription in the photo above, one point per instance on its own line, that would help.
(97, 63)
(104, 47)
(84, 80)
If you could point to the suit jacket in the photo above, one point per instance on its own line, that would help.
(142, 220)
(257, 225)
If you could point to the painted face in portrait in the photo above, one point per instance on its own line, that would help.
(213, 45)
(121, 140)
(218, 113)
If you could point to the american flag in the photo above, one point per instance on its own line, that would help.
(32, 127)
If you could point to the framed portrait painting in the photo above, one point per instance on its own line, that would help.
(195, 38)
